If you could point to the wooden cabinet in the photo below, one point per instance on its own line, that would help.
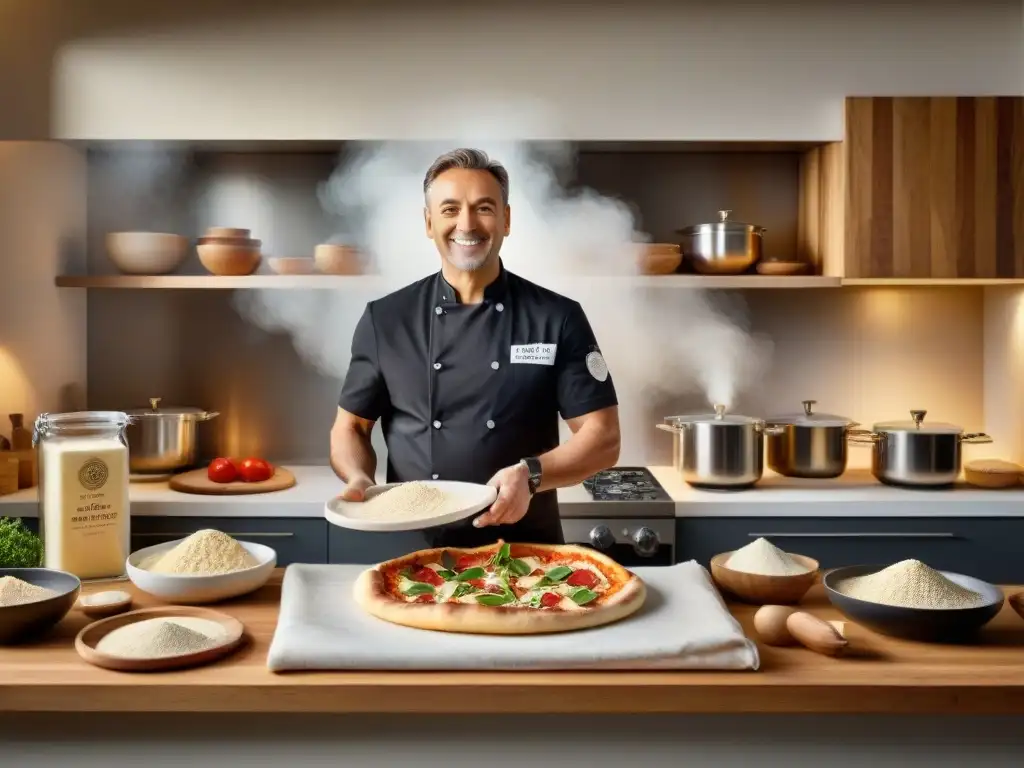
(986, 548)
(921, 187)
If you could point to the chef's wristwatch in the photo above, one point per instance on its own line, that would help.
(533, 467)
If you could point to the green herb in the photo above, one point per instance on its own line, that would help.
(418, 588)
(502, 556)
(445, 574)
(582, 596)
(502, 599)
(19, 547)
(555, 576)
(519, 567)
(462, 590)
(472, 573)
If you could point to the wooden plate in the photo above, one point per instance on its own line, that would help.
(90, 636)
(196, 481)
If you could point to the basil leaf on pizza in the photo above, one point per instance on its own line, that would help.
(503, 588)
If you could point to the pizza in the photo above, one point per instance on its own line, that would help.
(501, 589)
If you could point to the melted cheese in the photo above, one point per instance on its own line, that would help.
(435, 567)
(446, 590)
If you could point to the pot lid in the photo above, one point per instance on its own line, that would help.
(723, 225)
(917, 425)
(155, 410)
(808, 418)
(718, 417)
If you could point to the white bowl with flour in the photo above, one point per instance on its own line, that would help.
(196, 588)
(411, 506)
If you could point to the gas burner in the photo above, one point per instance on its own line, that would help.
(625, 484)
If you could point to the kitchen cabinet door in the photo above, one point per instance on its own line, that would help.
(295, 540)
(986, 548)
(921, 187)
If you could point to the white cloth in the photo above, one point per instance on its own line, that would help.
(683, 624)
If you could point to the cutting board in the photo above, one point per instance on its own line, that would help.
(196, 481)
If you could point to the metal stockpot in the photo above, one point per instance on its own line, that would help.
(809, 444)
(723, 248)
(163, 439)
(916, 454)
(717, 450)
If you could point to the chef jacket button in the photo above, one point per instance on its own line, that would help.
(437, 366)
(438, 310)
(495, 365)
(437, 425)
(500, 307)
(434, 476)
(490, 424)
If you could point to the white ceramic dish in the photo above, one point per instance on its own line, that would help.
(469, 498)
(191, 589)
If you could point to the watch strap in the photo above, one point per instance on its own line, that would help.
(534, 469)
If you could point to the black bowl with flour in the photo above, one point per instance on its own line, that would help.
(26, 620)
(933, 625)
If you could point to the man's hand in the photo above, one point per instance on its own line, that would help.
(513, 484)
(355, 489)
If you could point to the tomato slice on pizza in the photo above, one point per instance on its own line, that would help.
(501, 589)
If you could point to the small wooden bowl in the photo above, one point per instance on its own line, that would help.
(229, 259)
(231, 232)
(764, 590)
(781, 267)
(102, 610)
(659, 259)
(1016, 602)
(333, 259)
(90, 636)
(292, 265)
(992, 473)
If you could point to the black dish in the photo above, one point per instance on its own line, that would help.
(923, 624)
(20, 622)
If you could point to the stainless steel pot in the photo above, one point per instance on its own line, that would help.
(809, 444)
(717, 450)
(913, 453)
(723, 248)
(163, 439)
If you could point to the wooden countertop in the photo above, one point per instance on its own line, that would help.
(881, 675)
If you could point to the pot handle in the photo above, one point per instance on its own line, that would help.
(772, 430)
(209, 415)
(669, 428)
(862, 436)
(975, 438)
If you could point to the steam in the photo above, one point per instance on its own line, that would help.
(660, 344)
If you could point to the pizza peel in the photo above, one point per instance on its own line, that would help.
(462, 500)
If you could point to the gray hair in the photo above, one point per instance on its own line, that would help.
(469, 159)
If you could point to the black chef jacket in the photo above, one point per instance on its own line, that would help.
(464, 390)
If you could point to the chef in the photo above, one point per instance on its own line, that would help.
(469, 369)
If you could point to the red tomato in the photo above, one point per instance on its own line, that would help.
(550, 599)
(427, 576)
(255, 470)
(582, 578)
(221, 471)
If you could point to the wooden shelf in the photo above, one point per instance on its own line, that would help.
(894, 282)
(335, 282)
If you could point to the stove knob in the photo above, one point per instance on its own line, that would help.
(645, 542)
(601, 537)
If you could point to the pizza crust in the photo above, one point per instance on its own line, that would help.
(371, 594)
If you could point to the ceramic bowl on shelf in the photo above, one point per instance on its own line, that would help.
(194, 589)
(229, 256)
(26, 620)
(333, 259)
(292, 265)
(764, 590)
(922, 624)
(146, 253)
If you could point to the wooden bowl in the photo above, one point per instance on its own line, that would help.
(146, 253)
(338, 259)
(781, 267)
(1016, 601)
(231, 232)
(229, 259)
(992, 473)
(659, 258)
(292, 265)
(764, 590)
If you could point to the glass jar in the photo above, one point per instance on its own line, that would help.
(84, 516)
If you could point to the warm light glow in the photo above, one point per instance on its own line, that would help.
(884, 308)
(16, 392)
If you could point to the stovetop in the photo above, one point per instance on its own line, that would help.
(625, 484)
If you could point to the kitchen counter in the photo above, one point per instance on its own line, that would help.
(854, 494)
(881, 675)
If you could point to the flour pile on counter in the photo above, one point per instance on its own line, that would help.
(408, 501)
(765, 559)
(160, 638)
(204, 552)
(910, 584)
(14, 591)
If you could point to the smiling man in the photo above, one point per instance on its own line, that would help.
(469, 369)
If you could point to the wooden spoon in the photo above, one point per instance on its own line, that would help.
(102, 604)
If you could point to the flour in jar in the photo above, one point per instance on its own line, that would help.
(408, 501)
(763, 558)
